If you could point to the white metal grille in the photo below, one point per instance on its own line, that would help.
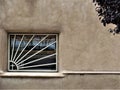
(32, 52)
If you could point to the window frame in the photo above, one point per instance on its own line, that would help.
(38, 71)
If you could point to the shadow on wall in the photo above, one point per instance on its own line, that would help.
(0, 82)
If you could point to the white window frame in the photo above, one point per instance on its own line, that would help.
(57, 69)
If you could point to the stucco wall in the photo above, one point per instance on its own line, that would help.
(84, 44)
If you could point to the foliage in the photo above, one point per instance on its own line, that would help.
(109, 12)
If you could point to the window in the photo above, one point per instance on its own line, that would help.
(32, 52)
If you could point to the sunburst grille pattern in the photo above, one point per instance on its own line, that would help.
(32, 52)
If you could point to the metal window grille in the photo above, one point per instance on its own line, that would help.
(32, 52)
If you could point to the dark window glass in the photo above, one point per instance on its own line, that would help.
(35, 52)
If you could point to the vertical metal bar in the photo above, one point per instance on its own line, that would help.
(57, 49)
(13, 47)
(18, 47)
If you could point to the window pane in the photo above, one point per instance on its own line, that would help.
(33, 52)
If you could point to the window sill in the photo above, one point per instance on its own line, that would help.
(21, 74)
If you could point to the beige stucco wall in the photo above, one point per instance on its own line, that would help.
(84, 44)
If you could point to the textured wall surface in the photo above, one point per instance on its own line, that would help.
(84, 44)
